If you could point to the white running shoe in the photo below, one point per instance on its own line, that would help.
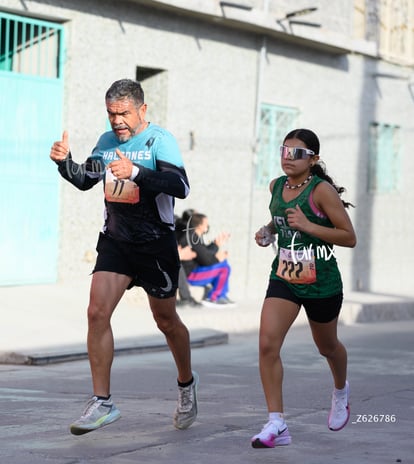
(273, 434)
(340, 411)
(186, 412)
(96, 414)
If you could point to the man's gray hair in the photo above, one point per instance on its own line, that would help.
(126, 89)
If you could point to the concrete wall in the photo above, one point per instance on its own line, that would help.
(209, 92)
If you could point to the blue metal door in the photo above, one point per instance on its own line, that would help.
(31, 92)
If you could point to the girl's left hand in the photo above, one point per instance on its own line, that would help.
(296, 219)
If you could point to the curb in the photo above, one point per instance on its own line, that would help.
(147, 344)
(371, 309)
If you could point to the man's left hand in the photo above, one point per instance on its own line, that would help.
(122, 168)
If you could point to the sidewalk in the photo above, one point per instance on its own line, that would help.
(52, 318)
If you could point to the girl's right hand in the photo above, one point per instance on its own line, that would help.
(264, 237)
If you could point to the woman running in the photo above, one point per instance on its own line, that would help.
(309, 218)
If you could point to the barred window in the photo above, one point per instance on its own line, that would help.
(275, 122)
(384, 158)
(389, 23)
(30, 46)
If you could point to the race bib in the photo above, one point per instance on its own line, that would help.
(297, 268)
(120, 190)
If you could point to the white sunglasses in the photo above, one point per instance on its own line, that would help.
(295, 153)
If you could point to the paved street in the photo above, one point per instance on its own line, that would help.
(39, 402)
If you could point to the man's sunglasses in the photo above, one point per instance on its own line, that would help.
(295, 153)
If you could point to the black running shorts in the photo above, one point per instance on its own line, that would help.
(317, 309)
(154, 265)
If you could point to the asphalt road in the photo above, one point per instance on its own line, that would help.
(37, 403)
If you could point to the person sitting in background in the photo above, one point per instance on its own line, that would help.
(186, 254)
(186, 299)
(210, 266)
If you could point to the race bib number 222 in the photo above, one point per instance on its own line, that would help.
(297, 268)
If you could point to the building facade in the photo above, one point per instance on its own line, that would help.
(228, 79)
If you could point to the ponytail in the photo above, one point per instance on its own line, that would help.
(310, 139)
(319, 169)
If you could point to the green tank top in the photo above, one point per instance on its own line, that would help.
(305, 263)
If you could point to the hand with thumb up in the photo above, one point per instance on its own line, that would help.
(60, 149)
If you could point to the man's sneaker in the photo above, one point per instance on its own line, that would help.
(222, 302)
(97, 413)
(273, 434)
(340, 412)
(186, 412)
(207, 290)
(188, 302)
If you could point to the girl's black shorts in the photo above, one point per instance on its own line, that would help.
(317, 309)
